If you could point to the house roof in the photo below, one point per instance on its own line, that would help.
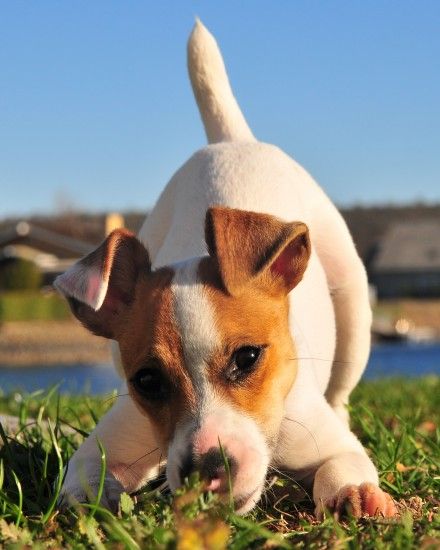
(45, 240)
(411, 246)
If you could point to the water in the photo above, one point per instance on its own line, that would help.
(77, 379)
(397, 359)
(403, 359)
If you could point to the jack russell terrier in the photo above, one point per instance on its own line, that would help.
(240, 333)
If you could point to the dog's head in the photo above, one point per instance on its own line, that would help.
(205, 344)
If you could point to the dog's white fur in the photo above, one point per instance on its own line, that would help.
(330, 313)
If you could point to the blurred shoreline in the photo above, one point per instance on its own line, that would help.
(50, 343)
(66, 342)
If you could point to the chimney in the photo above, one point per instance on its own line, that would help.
(113, 221)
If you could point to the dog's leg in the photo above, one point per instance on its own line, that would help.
(317, 444)
(340, 488)
(348, 284)
(132, 457)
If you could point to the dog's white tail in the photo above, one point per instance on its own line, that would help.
(222, 117)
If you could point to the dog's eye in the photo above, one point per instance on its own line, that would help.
(151, 384)
(243, 362)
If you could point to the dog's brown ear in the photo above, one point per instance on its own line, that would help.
(248, 246)
(101, 286)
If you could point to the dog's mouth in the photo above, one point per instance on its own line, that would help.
(242, 503)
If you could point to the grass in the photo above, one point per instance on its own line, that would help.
(32, 305)
(397, 420)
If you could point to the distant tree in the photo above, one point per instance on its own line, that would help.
(19, 274)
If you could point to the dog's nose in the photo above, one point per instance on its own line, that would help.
(212, 468)
(215, 468)
(187, 467)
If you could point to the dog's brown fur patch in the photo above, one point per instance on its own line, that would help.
(252, 318)
(245, 243)
(149, 333)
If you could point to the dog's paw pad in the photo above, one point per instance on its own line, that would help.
(357, 501)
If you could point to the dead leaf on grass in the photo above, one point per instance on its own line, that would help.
(427, 426)
(402, 468)
(10, 532)
(430, 543)
(413, 505)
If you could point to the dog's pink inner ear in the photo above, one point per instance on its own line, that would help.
(100, 286)
(249, 245)
(291, 263)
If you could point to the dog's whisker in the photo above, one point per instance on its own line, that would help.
(321, 359)
(285, 475)
(308, 431)
(130, 466)
(121, 448)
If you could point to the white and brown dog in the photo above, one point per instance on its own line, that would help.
(245, 338)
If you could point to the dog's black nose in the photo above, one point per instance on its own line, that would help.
(187, 467)
(214, 466)
(211, 467)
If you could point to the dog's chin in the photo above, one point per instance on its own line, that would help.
(244, 503)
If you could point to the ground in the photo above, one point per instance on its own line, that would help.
(397, 420)
(29, 343)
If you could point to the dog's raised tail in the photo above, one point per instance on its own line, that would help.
(222, 117)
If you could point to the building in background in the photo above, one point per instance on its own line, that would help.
(51, 250)
(402, 257)
(407, 261)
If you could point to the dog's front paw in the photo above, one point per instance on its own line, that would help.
(75, 492)
(366, 499)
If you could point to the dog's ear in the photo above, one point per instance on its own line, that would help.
(101, 286)
(250, 246)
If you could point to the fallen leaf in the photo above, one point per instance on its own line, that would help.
(427, 426)
(402, 468)
(430, 543)
(9, 531)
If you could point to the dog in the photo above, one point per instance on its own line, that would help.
(241, 322)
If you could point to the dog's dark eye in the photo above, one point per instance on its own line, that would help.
(243, 362)
(151, 384)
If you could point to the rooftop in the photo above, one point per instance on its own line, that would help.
(411, 246)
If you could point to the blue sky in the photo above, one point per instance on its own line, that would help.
(96, 108)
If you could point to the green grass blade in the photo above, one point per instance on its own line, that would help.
(101, 478)
(228, 475)
(20, 499)
(59, 478)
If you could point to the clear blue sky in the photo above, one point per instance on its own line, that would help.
(96, 107)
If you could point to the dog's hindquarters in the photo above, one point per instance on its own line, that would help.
(348, 284)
